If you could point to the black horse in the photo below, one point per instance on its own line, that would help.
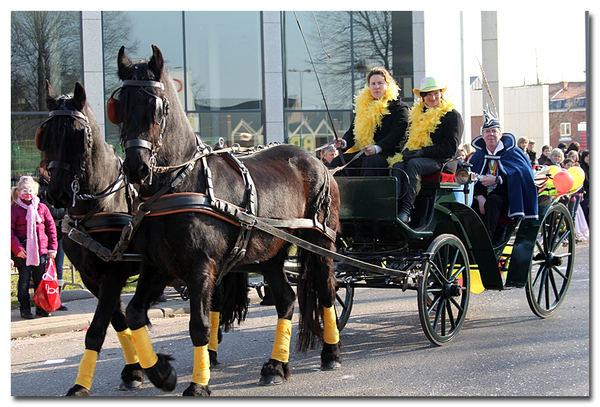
(283, 183)
(85, 169)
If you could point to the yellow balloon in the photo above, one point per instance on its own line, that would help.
(578, 177)
(554, 169)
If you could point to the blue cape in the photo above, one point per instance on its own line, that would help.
(512, 162)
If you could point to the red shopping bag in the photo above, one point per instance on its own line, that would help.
(47, 296)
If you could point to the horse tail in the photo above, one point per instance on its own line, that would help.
(316, 280)
(234, 305)
(315, 283)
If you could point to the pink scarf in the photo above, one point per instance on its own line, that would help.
(33, 217)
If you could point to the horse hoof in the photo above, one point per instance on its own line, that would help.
(197, 390)
(162, 374)
(78, 391)
(133, 385)
(212, 355)
(274, 372)
(132, 377)
(271, 380)
(331, 357)
(331, 365)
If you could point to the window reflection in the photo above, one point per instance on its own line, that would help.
(343, 46)
(45, 45)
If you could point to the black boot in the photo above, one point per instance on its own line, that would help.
(26, 314)
(404, 214)
(62, 306)
(40, 312)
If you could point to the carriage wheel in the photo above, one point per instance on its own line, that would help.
(344, 298)
(552, 262)
(444, 288)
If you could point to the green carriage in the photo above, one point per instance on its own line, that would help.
(445, 252)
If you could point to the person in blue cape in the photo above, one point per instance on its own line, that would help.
(506, 184)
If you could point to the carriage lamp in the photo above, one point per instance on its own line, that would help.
(464, 176)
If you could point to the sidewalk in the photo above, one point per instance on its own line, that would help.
(82, 304)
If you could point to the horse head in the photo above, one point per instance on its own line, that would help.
(65, 139)
(145, 117)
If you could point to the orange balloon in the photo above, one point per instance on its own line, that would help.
(563, 182)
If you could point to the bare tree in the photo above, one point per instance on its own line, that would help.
(44, 45)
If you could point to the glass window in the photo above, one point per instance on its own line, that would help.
(137, 31)
(224, 75)
(45, 45)
(331, 57)
(343, 46)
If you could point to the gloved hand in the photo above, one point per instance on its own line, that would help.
(408, 154)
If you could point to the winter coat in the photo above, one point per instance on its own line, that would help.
(46, 230)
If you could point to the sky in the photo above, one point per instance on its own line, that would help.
(546, 45)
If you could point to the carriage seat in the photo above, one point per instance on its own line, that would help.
(438, 177)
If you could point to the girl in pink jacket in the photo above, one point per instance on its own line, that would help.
(32, 240)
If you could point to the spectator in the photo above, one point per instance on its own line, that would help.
(531, 153)
(522, 143)
(562, 147)
(556, 157)
(574, 146)
(506, 186)
(585, 201)
(469, 151)
(568, 163)
(573, 156)
(433, 139)
(544, 157)
(32, 240)
(57, 215)
(378, 127)
(328, 154)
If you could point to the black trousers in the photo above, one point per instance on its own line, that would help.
(495, 205)
(25, 274)
(414, 169)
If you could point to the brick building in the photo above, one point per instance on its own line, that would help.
(568, 113)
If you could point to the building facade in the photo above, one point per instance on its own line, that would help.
(276, 76)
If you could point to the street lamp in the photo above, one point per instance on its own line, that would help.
(300, 71)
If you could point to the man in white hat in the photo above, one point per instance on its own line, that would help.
(434, 134)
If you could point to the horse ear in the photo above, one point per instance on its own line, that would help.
(51, 95)
(124, 63)
(79, 97)
(157, 62)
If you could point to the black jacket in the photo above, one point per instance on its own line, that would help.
(446, 141)
(392, 131)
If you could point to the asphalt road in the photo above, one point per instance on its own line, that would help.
(502, 350)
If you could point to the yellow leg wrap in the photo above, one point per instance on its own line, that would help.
(281, 346)
(85, 375)
(128, 347)
(213, 342)
(201, 371)
(331, 335)
(143, 346)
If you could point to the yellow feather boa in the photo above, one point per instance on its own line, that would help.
(421, 125)
(369, 114)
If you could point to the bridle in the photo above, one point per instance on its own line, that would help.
(160, 113)
(78, 174)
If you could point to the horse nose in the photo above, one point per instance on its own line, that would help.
(136, 173)
(59, 199)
